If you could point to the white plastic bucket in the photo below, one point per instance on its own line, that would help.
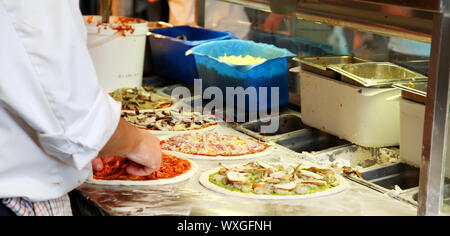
(118, 51)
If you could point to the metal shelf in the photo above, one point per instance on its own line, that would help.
(397, 21)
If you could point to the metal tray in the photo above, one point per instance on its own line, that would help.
(311, 140)
(320, 65)
(289, 125)
(419, 66)
(388, 177)
(376, 74)
(413, 91)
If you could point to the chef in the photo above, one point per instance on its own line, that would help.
(54, 117)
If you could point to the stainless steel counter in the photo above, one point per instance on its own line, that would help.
(191, 199)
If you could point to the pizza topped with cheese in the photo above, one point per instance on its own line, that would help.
(213, 144)
(140, 99)
(165, 120)
(115, 169)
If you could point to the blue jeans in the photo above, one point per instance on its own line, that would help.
(5, 211)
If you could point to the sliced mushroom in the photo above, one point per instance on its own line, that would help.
(258, 185)
(310, 174)
(236, 177)
(278, 175)
(288, 186)
(272, 181)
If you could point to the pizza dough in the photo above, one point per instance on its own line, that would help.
(205, 181)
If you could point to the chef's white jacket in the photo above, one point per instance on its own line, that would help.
(54, 117)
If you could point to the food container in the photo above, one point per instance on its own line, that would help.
(117, 51)
(169, 46)
(369, 117)
(148, 61)
(412, 116)
(376, 74)
(320, 65)
(270, 74)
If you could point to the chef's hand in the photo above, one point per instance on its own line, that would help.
(146, 155)
(137, 145)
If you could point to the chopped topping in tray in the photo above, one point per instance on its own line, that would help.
(137, 99)
(165, 120)
(239, 60)
(274, 179)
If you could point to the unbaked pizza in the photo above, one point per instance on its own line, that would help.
(213, 145)
(173, 169)
(260, 180)
(166, 121)
(140, 99)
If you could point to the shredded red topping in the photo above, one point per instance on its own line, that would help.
(116, 170)
(122, 25)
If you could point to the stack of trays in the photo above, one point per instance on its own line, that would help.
(321, 65)
(354, 99)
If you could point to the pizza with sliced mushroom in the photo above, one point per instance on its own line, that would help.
(166, 121)
(261, 180)
(215, 146)
(140, 99)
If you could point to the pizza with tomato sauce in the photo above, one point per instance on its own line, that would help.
(173, 170)
(215, 146)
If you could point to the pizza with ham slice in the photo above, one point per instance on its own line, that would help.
(215, 146)
(173, 170)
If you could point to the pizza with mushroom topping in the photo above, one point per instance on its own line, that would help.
(140, 99)
(260, 180)
(166, 121)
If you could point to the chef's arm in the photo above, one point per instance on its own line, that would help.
(51, 85)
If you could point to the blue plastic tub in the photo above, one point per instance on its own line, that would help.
(217, 73)
(168, 52)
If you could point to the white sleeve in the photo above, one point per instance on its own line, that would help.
(48, 79)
